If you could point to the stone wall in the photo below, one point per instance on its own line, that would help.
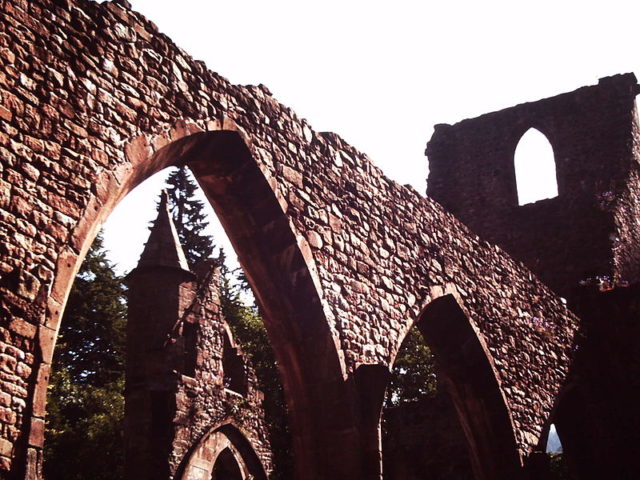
(588, 230)
(583, 243)
(93, 100)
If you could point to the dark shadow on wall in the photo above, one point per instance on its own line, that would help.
(458, 426)
(421, 434)
(226, 467)
(468, 376)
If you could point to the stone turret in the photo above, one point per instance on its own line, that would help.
(163, 248)
(189, 389)
(161, 287)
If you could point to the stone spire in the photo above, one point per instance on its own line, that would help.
(163, 248)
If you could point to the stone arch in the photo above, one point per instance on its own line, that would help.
(467, 372)
(533, 155)
(224, 446)
(278, 264)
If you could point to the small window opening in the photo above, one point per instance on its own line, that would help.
(235, 376)
(553, 441)
(560, 468)
(535, 168)
(190, 333)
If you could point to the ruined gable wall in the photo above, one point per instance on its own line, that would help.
(91, 91)
(175, 387)
(587, 230)
(203, 403)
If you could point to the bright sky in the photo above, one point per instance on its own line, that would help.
(381, 74)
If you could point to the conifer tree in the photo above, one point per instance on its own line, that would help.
(189, 216)
(85, 411)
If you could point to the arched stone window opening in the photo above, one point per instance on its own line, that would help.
(556, 464)
(233, 367)
(226, 467)
(559, 468)
(421, 434)
(535, 168)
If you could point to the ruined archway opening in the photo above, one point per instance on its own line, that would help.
(161, 305)
(466, 371)
(223, 453)
(535, 168)
(421, 435)
(226, 467)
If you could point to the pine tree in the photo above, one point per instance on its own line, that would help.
(189, 216)
(85, 412)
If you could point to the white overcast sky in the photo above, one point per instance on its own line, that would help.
(381, 74)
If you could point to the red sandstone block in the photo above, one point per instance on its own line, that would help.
(6, 447)
(36, 435)
(8, 363)
(7, 415)
(5, 463)
(5, 114)
(23, 370)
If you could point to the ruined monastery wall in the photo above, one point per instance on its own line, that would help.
(93, 100)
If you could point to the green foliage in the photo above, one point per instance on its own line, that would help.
(248, 327)
(85, 410)
(413, 376)
(92, 336)
(189, 216)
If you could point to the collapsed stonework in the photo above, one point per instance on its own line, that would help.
(190, 395)
(343, 261)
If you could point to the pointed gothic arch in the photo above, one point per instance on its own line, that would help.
(465, 368)
(223, 453)
(535, 167)
(278, 265)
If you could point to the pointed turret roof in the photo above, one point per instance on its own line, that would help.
(163, 248)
